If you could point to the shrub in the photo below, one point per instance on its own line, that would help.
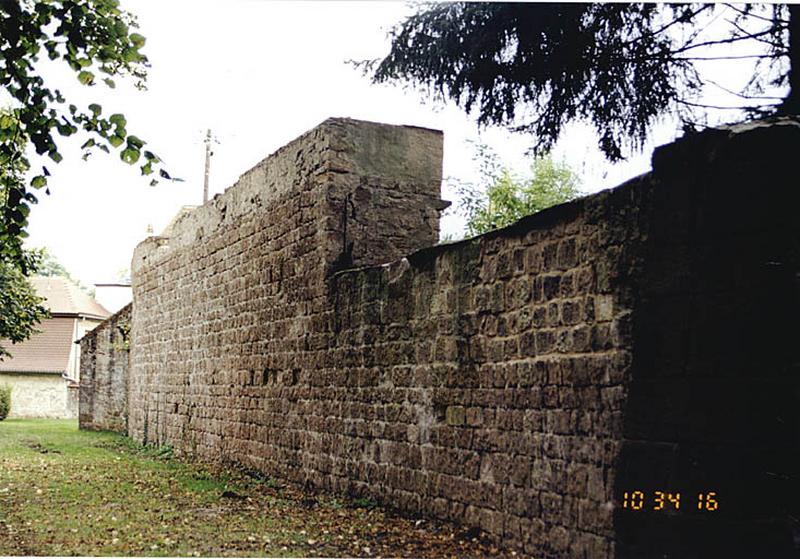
(5, 401)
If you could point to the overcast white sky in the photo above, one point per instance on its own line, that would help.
(258, 74)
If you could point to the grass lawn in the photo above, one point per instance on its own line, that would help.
(70, 492)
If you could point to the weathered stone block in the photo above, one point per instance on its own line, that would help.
(455, 415)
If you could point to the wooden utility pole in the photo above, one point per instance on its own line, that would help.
(208, 165)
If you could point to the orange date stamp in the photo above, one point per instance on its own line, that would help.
(662, 500)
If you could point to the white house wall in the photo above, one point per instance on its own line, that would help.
(38, 395)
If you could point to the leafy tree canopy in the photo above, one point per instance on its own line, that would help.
(535, 67)
(96, 40)
(503, 197)
(20, 307)
(48, 265)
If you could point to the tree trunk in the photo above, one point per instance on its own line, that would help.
(791, 105)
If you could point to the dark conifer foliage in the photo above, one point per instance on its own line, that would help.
(535, 67)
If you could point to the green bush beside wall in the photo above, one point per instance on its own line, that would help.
(5, 401)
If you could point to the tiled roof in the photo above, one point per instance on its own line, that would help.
(45, 352)
(64, 297)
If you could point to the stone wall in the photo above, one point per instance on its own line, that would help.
(105, 365)
(556, 383)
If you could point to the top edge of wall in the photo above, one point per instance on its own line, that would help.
(693, 147)
(343, 123)
(94, 331)
(337, 146)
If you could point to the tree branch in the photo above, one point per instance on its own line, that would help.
(750, 14)
(705, 106)
(668, 25)
(721, 41)
(743, 96)
(775, 46)
(737, 57)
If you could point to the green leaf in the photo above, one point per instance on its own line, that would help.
(137, 40)
(120, 28)
(52, 52)
(135, 142)
(132, 57)
(85, 77)
(110, 83)
(118, 119)
(96, 109)
(39, 181)
(88, 143)
(129, 155)
(115, 140)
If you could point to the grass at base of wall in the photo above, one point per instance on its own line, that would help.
(70, 492)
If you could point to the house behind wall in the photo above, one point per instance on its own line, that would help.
(44, 370)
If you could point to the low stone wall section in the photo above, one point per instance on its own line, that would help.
(105, 369)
